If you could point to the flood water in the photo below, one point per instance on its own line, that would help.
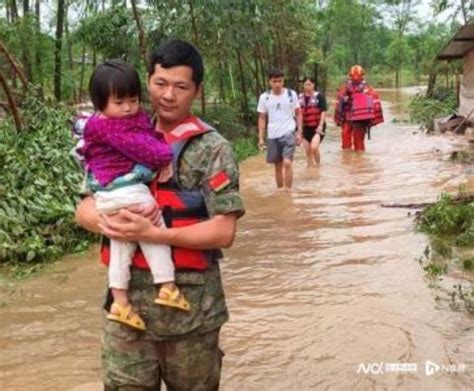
(319, 282)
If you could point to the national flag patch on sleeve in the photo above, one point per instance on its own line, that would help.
(219, 181)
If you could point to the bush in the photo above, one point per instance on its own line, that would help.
(245, 147)
(448, 219)
(228, 121)
(423, 109)
(38, 186)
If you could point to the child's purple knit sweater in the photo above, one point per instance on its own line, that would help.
(113, 146)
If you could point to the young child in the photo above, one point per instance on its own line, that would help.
(122, 152)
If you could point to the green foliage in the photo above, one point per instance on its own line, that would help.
(111, 32)
(398, 52)
(468, 264)
(245, 147)
(435, 271)
(228, 121)
(31, 47)
(38, 186)
(448, 219)
(466, 238)
(239, 40)
(423, 109)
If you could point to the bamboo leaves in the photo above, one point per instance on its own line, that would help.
(39, 182)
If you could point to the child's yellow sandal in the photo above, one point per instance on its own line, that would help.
(122, 315)
(174, 299)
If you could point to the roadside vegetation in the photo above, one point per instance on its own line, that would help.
(450, 224)
(423, 108)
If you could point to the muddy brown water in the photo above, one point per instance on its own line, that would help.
(322, 284)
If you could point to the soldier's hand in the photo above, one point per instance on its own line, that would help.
(152, 212)
(261, 145)
(165, 173)
(134, 227)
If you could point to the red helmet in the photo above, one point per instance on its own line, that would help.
(356, 73)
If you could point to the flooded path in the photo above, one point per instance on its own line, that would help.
(318, 282)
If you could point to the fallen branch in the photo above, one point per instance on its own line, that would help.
(420, 205)
(11, 103)
(15, 66)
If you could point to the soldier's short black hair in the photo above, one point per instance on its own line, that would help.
(113, 77)
(175, 52)
(274, 73)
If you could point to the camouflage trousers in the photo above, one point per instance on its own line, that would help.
(179, 348)
(187, 364)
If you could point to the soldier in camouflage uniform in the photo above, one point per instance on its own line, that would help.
(181, 348)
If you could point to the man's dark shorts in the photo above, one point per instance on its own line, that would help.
(281, 148)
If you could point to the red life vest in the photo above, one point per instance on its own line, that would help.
(358, 103)
(361, 106)
(179, 207)
(311, 111)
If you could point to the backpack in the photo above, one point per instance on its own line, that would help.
(289, 92)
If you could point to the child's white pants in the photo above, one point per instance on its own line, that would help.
(158, 256)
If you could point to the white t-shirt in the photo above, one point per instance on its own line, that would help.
(280, 112)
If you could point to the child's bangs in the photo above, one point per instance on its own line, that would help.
(125, 84)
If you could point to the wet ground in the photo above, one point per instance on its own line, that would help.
(323, 284)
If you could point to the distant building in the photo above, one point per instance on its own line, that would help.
(461, 46)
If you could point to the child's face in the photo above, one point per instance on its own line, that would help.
(121, 107)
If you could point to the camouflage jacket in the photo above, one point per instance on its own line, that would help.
(206, 156)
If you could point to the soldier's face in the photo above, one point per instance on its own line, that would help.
(172, 91)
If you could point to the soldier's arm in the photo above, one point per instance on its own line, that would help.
(88, 218)
(220, 186)
(218, 232)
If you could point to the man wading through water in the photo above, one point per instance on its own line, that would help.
(201, 205)
(277, 110)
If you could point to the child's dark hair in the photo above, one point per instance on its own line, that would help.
(175, 52)
(113, 77)
(275, 73)
(307, 78)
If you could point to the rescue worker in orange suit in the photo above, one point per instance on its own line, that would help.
(358, 109)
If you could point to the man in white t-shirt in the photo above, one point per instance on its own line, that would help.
(279, 113)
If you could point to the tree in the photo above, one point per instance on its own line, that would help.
(398, 54)
(457, 7)
(402, 13)
(141, 33)
(58, 49)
